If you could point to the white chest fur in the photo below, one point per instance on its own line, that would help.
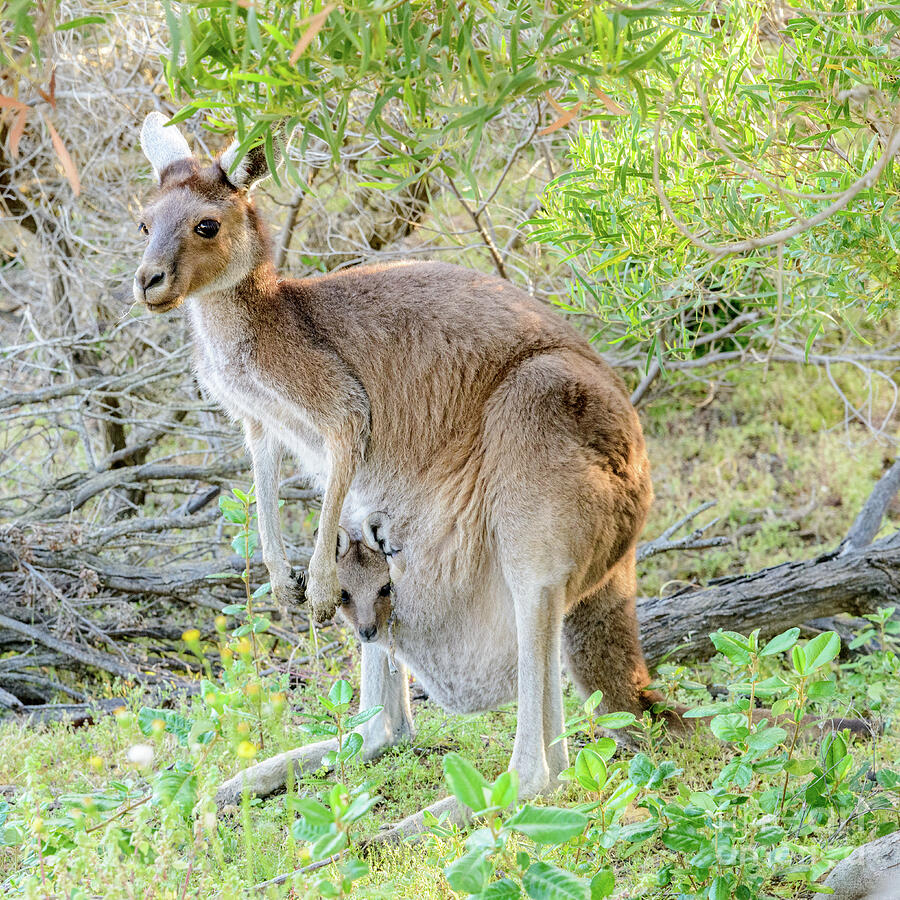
(227, 370)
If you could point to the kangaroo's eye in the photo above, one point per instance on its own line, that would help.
(345, 597)
(208, 228)
(385, 591)
(143, 229)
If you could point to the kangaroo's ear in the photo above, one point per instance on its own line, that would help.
(254, 166)
(162, 145)
(343, 542)
(376, 532)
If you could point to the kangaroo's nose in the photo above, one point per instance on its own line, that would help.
(150, 278)
(368, 633)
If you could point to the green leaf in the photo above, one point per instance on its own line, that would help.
(710, 709)
(504, 889)
(359, 718)
(781, 642)
(834, 750)
(175, 723)
(505, 790)
(603, 883)
(731, 727)
(465, 782)
(888, 779)
(769, 835)
(821, 650)
(766, 739)
(469, 874)
(81, 21)
(313, 812)
(638, 832)
(733, 645)
(799, 766)
(642, 60)
(548, 824)
(681, 838)
(640, 769)
(341, 692)
(590, 769)
(615, 720)
(360, 806)
(329, 844)
(176, 788)
(720, 889)
(543, 881)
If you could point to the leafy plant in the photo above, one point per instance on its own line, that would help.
(690, 218)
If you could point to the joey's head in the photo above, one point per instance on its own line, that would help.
(364, 574)
(202, 230)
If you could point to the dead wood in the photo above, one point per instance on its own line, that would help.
(677, 626)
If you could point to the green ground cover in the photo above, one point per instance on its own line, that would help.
(789, 478)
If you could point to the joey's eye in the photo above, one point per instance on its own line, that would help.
(385, 591)
(208, 228)
(345, 597)
(143, 229)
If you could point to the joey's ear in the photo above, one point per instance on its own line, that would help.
(254, 166)
(162, 145)
(343, 542)
(376, 532)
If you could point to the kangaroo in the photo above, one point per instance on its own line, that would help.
(367, 576)
(504, 452)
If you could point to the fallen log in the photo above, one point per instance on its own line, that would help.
(856, 577)
(677, 626)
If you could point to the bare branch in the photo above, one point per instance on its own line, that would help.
(870, 517)
(696, 540)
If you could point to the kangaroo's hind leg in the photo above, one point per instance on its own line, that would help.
(393, 725)
(602, 647)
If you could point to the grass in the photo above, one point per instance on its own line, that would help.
(789, 479)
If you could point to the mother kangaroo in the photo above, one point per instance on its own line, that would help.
(506, 454)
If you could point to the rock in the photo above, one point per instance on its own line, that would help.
(870, 872)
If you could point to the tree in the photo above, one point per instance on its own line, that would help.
(744, 199)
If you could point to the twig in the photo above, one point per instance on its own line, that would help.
(785, 234)
(312, 867)
(693, 541)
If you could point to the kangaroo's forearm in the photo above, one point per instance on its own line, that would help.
(266, 454)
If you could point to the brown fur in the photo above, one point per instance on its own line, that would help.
(506, 451)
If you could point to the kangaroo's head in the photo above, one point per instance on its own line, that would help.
(364, 572)
(202, 230)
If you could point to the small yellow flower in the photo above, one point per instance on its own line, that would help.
(221, 623)
(246, 750)
(244, 647)
(157, 726)
(278, 702)
(243, 728)
(191, 636)
(37, 825)
(252, 690)
(96, 763)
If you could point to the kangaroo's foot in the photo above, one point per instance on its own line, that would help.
(271, 775)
